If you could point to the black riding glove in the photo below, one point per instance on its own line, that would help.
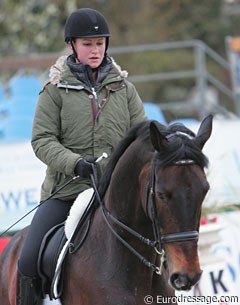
(84, 167)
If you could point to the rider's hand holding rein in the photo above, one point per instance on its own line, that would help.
(84, 167)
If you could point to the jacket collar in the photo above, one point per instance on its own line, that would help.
(60, 71)
(85, 74)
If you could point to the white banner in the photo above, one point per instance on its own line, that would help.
(21, 176)
(223, 152)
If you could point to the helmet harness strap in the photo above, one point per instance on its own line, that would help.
(73, 48)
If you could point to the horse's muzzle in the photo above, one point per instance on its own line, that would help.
(181, 281)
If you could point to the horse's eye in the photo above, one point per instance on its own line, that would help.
(163, 197)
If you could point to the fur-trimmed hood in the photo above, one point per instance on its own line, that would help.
(57, 70)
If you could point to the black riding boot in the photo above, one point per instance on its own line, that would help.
(27, 290)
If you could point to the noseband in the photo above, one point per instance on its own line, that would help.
(159, 239)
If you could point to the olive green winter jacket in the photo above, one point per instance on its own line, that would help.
(72, 121)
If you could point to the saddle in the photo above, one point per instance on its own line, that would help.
(58, 243)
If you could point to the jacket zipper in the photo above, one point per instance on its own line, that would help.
(96, 105)
(94, 93)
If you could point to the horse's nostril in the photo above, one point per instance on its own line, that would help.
(178, 281)
(181, 281)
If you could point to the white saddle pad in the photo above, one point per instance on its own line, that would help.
(77, 210)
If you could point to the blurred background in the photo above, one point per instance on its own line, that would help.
(183, 56)
(175, 48)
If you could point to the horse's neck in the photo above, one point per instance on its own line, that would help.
(119, 263)
(126, 191)
(123, 194)
(123, 199)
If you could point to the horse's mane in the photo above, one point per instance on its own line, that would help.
(180, 147)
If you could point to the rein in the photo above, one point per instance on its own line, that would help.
(106, 214)
(159, 239)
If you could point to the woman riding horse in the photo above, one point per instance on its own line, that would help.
(85, 110)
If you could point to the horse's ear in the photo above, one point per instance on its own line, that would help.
(158, 140)
(204, 131)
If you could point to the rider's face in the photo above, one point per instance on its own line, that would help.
(90, 50)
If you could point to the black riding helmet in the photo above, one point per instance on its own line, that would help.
(86, 22)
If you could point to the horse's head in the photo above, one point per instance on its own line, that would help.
(179, 186)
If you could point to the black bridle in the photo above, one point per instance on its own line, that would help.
(170, 237)
(159, 239)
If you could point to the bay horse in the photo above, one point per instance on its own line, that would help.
(142, 244)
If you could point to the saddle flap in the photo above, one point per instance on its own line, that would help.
(51, 247)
